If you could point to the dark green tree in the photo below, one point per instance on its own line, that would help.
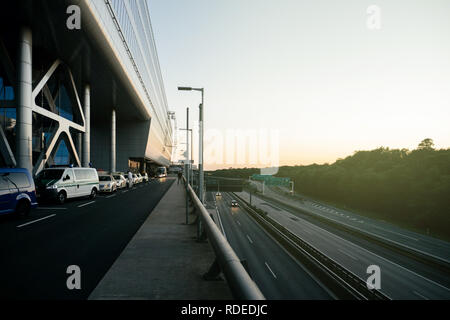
(426, 144)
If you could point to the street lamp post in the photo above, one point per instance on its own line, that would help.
(191, 171)
(201, 128)
(187, 165)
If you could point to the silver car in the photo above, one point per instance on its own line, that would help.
(107, 183)
(120, 181)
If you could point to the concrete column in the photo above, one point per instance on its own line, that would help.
(87, 134)
(24, 132)
(80, 146)
(113, 141)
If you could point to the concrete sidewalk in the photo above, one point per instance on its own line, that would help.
(163, 260)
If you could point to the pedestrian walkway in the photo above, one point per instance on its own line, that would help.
(163, 260)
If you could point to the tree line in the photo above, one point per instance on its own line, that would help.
(408, 188)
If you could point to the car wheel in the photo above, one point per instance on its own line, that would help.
(62, 197)
(23, 209)
(93, 194)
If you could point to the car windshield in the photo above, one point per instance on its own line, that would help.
(50, 175)
(104, 178)
(117, 177)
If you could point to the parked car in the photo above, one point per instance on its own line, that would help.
(120, 181)
(140, 178)
(135, 178)
(234, 203)
(145, 177)
(107, 183)
(17, 192)
(61, 184)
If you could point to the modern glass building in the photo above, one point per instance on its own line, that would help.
(93, 95)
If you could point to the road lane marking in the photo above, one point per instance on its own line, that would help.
(221, 225)
(237, 221)
(31, 222)
(111, 196)
(48, 208)
(250, 239)
(347, 254)
(420, 295)
(86, 204)
(402, 235)
(273, 274)
(126, 191)
(376, 255)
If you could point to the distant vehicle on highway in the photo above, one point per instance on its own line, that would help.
(120, 181)
(218, 194)
(161, 172)
(234, 203)
(17, 192)
(107, 183)
(61, 184)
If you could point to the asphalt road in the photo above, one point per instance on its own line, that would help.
(398, 278)
(433, 247)
(35, 252)
(275, 272)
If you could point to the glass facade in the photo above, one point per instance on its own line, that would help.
(134, 20)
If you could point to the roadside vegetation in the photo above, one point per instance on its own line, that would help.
(410, 188)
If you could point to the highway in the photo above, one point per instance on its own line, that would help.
(275, 272)
(398, 281)
(422, 243)
(35, 252)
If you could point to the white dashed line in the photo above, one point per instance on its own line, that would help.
(31, 222)
(347, 254)
(420, 295)
(86, 204)
(250, 239)
(273, 274)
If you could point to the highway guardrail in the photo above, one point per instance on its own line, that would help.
(325, 269)
(421, 256)
(241, 284)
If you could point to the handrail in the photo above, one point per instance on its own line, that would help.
(241, 285)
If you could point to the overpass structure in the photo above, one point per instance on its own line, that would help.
(83, 94)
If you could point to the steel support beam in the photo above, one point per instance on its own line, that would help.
(87, 125)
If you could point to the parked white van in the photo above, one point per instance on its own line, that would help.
(64, 183)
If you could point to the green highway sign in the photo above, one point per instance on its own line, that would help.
(271, 180)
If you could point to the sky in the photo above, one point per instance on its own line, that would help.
(306, 81)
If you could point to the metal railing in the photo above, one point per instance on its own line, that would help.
(239, 281)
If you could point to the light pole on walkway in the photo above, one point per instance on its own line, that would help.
(201, 125)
